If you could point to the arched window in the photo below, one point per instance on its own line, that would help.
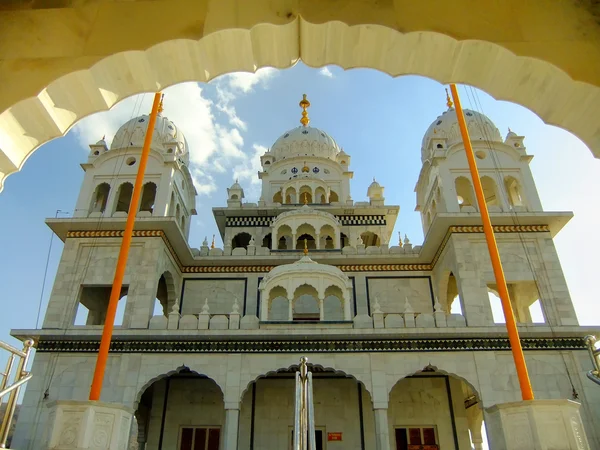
(310, 242)
(172, 204)
(100, 198)
(177, 211)
(333, 197)
(490, 192)
(306, 304)
(305, 196)
(182, 222)
(320, 195)
(290, 195)
(124, 197)
(464, 192)
(284, 238)
(234, 197)
(513, 191)
(370, 239)
(241, 240)
(148, 197)
(452, 298)
(344, 241)
(277, 198)
(267, 241)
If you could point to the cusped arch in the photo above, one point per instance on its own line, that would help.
(525, 80)
(158, 375)
(362, 378)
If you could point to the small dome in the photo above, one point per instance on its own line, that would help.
(305, 141)
(510, 134)
(374, 184)
(236, 185)
(167, 138)
(304, 265)
(480, 127)
(101, 142)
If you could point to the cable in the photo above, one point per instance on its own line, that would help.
(501, 192)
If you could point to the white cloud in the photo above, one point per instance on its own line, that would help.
(245, 81)
(326, 72)
(248, 171)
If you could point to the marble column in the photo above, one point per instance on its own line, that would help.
(382, 436)
(230, 434)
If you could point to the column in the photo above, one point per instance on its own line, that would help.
(290, 309)
(382, 437)
(230, 433)
(318, 241)
(321, 309)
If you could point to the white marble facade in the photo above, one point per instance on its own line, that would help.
(209, 337)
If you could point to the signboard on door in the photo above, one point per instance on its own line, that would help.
(334, 436)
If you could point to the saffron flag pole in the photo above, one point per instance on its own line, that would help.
(511, 325)
(115, 292)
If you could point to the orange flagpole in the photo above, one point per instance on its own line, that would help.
(115, 293)
(511, 325)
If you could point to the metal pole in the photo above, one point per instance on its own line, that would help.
(6, 374)
(12, 399)
(511, 325)
(115, 293)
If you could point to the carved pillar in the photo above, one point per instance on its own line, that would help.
(230, 434)
(382, 437)
(290, 309)
(321, 308)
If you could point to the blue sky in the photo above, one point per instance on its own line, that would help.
(229, 122)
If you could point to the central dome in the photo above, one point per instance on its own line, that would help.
(305, 141)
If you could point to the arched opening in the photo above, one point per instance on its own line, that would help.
(290, 196)
(320, 195)
(306, 240)
(305, 196)
(341, 404)
(267, 241)
(344, 241)
(182, 223)
(464, 192)
(162, 421)
(327, 236)
(278, 198)
(178, 211)
(453, 301)
(93, 304)
(172, 204)
(490, 192)
(370, 239)
(333, 304)
(333, 197)
(305, 306)
(148, 197)
(165, 295)
(524, 299)
(124, 197)
(432, 408)
(513, 191)
(279, 305)
(100, 198)
(284, 238)
(234, 197)
(241, 240)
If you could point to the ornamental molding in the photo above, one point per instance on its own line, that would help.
(343, 268)
(314, 346)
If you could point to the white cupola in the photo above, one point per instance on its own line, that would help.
(375, 194)
(235, 194)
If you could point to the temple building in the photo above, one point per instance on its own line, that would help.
(400, 338)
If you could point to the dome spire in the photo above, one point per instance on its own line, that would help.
(304, 103)
(448, 100)
(160, 105)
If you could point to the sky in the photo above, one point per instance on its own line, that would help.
(231, 121)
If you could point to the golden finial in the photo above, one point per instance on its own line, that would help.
(304, 103)
(306, 199)
(160, 105)
(104, 136)
(213, 242)
(448, 100)
(509, 130)
(305, 247)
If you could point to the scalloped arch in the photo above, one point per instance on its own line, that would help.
(33, 121)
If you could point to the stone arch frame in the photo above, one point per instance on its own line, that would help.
(119, 205)
(277, 233)
(159, 376)
(172, 296)
(466, 191)
(96, 196)
(56, 113)
(514, 188)
(148, 198)
(363, 379)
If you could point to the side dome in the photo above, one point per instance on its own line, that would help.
(305, 141)
(480, 127)
(167, 138)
